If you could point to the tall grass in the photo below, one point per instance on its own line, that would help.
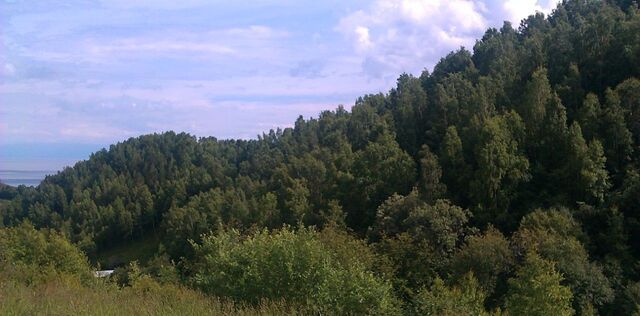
(66, 295)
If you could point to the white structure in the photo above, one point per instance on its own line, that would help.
(103, 273)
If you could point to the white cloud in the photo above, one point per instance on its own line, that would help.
(93, 130)
(395, 36)
(145, 46)
(250, 41)
(254, 31)
(363, 37)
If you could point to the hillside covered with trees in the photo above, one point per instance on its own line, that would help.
(506, 180)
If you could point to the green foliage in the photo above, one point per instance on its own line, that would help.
(629, 203)
(501, 163)
(616, 138)
(553, 234)
(487, 256)
(430, 173)
(586, 167)
(466, 298)
(24, 246)
(418, 238)
(588, 116)
(409, 106)
(441, 223)
(631, 299)
(200, 215)
(629, 95)
(537, 94)
(381, 169)
(288, 265)
(158, 271)
(536, 290)
(456, 172)
(296, 202)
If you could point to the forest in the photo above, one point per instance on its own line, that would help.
(505, 181)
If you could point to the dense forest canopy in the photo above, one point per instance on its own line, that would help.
(505, 180)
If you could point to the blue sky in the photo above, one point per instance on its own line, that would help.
(78, 75)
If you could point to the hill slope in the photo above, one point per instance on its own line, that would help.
(535, 135)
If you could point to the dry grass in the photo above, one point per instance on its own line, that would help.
(65, 295)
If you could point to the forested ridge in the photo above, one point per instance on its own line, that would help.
(504, 181)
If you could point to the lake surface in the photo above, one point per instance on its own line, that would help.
(24, 177)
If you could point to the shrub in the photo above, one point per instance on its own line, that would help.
(24, 248)
(289, 265)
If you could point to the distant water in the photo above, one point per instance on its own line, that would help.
(29, 163)
(23, 177)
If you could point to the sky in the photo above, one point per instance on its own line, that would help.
(76, 76)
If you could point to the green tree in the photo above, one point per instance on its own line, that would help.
(392, 213)
(364, 123)
(456, 101)
(537, 94)
(487, 256)
(430, 173)
(442, 224)
(418, 238)
(501, 165)
(409, 106)
(296, 202)
(459, 61)
(199, 216)
(496, 57)
(629, 204)
(267, 214)
(124, 219)
(380, 169)
(629, 94)
(587, 177)
(465, 298)
(554, 235)
(145, 201)
(570, 89)
(536, 290)
(455, 169)
(617, 140)
(588, 116)
(47, 250)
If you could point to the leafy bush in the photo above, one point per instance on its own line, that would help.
(289, 265)
(23, 247)
(466, 298)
